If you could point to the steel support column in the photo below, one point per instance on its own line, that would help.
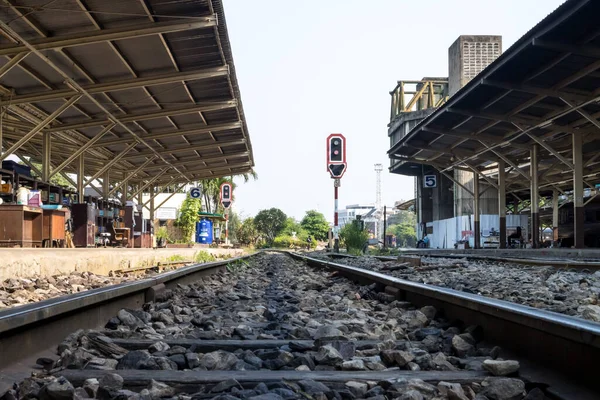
(535, 198)
(105, 184)
(502, 201)
(80, 178)
(46, 156)
(140, 196)
(578, 191)
(152, 191)
(476, 224)
(554, 218)
(124, 190)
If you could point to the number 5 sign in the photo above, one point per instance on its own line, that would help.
(430, 181)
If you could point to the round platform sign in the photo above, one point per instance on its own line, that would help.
(195, 193)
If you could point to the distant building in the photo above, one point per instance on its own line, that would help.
(368, 213)
(349, 214)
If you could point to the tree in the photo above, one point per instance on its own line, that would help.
(57, 179)
(233, 225)
(211, 190)
(315, 224)
(246, 233)
(270, 223)
(406, 235)
(292, 227)
(188, 216)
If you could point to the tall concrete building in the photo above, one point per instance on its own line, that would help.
(468, 56)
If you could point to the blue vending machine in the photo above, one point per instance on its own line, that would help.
(204, 231)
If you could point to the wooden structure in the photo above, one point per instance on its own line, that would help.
(84, 225)
(21, 226)
(54, 227)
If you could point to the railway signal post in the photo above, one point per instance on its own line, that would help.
(226, 200)
(336, 165)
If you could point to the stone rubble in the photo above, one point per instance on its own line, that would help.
(274, 297)
(20, 291)
(571, 292)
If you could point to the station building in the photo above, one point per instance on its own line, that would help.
(504, 134)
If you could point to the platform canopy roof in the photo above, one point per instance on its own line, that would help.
(145, 89)
(540, 91)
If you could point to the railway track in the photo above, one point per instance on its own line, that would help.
(289, 304)
(591, 264)
(531, 261)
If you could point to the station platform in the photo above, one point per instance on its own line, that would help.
(545, 253)
(28, 262)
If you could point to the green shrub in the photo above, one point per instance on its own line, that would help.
(162, 233)
(353, 237)
(355, 252)
(287, 242)
(203, 257)
(176, 257)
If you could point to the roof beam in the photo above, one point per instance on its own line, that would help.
(469, 136)
(130, 175)
(162, 135)
(535, 90)
(196, 159)
(200, 147)
(224, 167)
(134, 31)
(40, 126)
(548, 148)
(82, 150)
(109, 164)
(586, 50)
(216, 172)
(221, 105)
(495, 117)
(118, 85)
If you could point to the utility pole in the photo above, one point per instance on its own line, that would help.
(384, 226)
(378, 169)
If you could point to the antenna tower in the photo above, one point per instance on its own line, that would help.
(378, 169)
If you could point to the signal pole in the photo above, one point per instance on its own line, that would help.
(336, 227)
(336, 166)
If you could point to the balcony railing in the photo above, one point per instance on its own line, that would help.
(423, 94)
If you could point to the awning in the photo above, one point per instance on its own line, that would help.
(540, 91)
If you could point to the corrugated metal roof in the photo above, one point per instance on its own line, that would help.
(535, 91)
(163, 70)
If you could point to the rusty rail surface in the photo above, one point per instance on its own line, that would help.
(560, 342)
(31, 328)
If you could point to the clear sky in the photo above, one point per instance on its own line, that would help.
(308, 68)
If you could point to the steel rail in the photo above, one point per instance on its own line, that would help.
(566, 344)
(592, 265)
(21, 332)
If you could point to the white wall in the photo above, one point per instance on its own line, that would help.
(447, 232)
(173, 202)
